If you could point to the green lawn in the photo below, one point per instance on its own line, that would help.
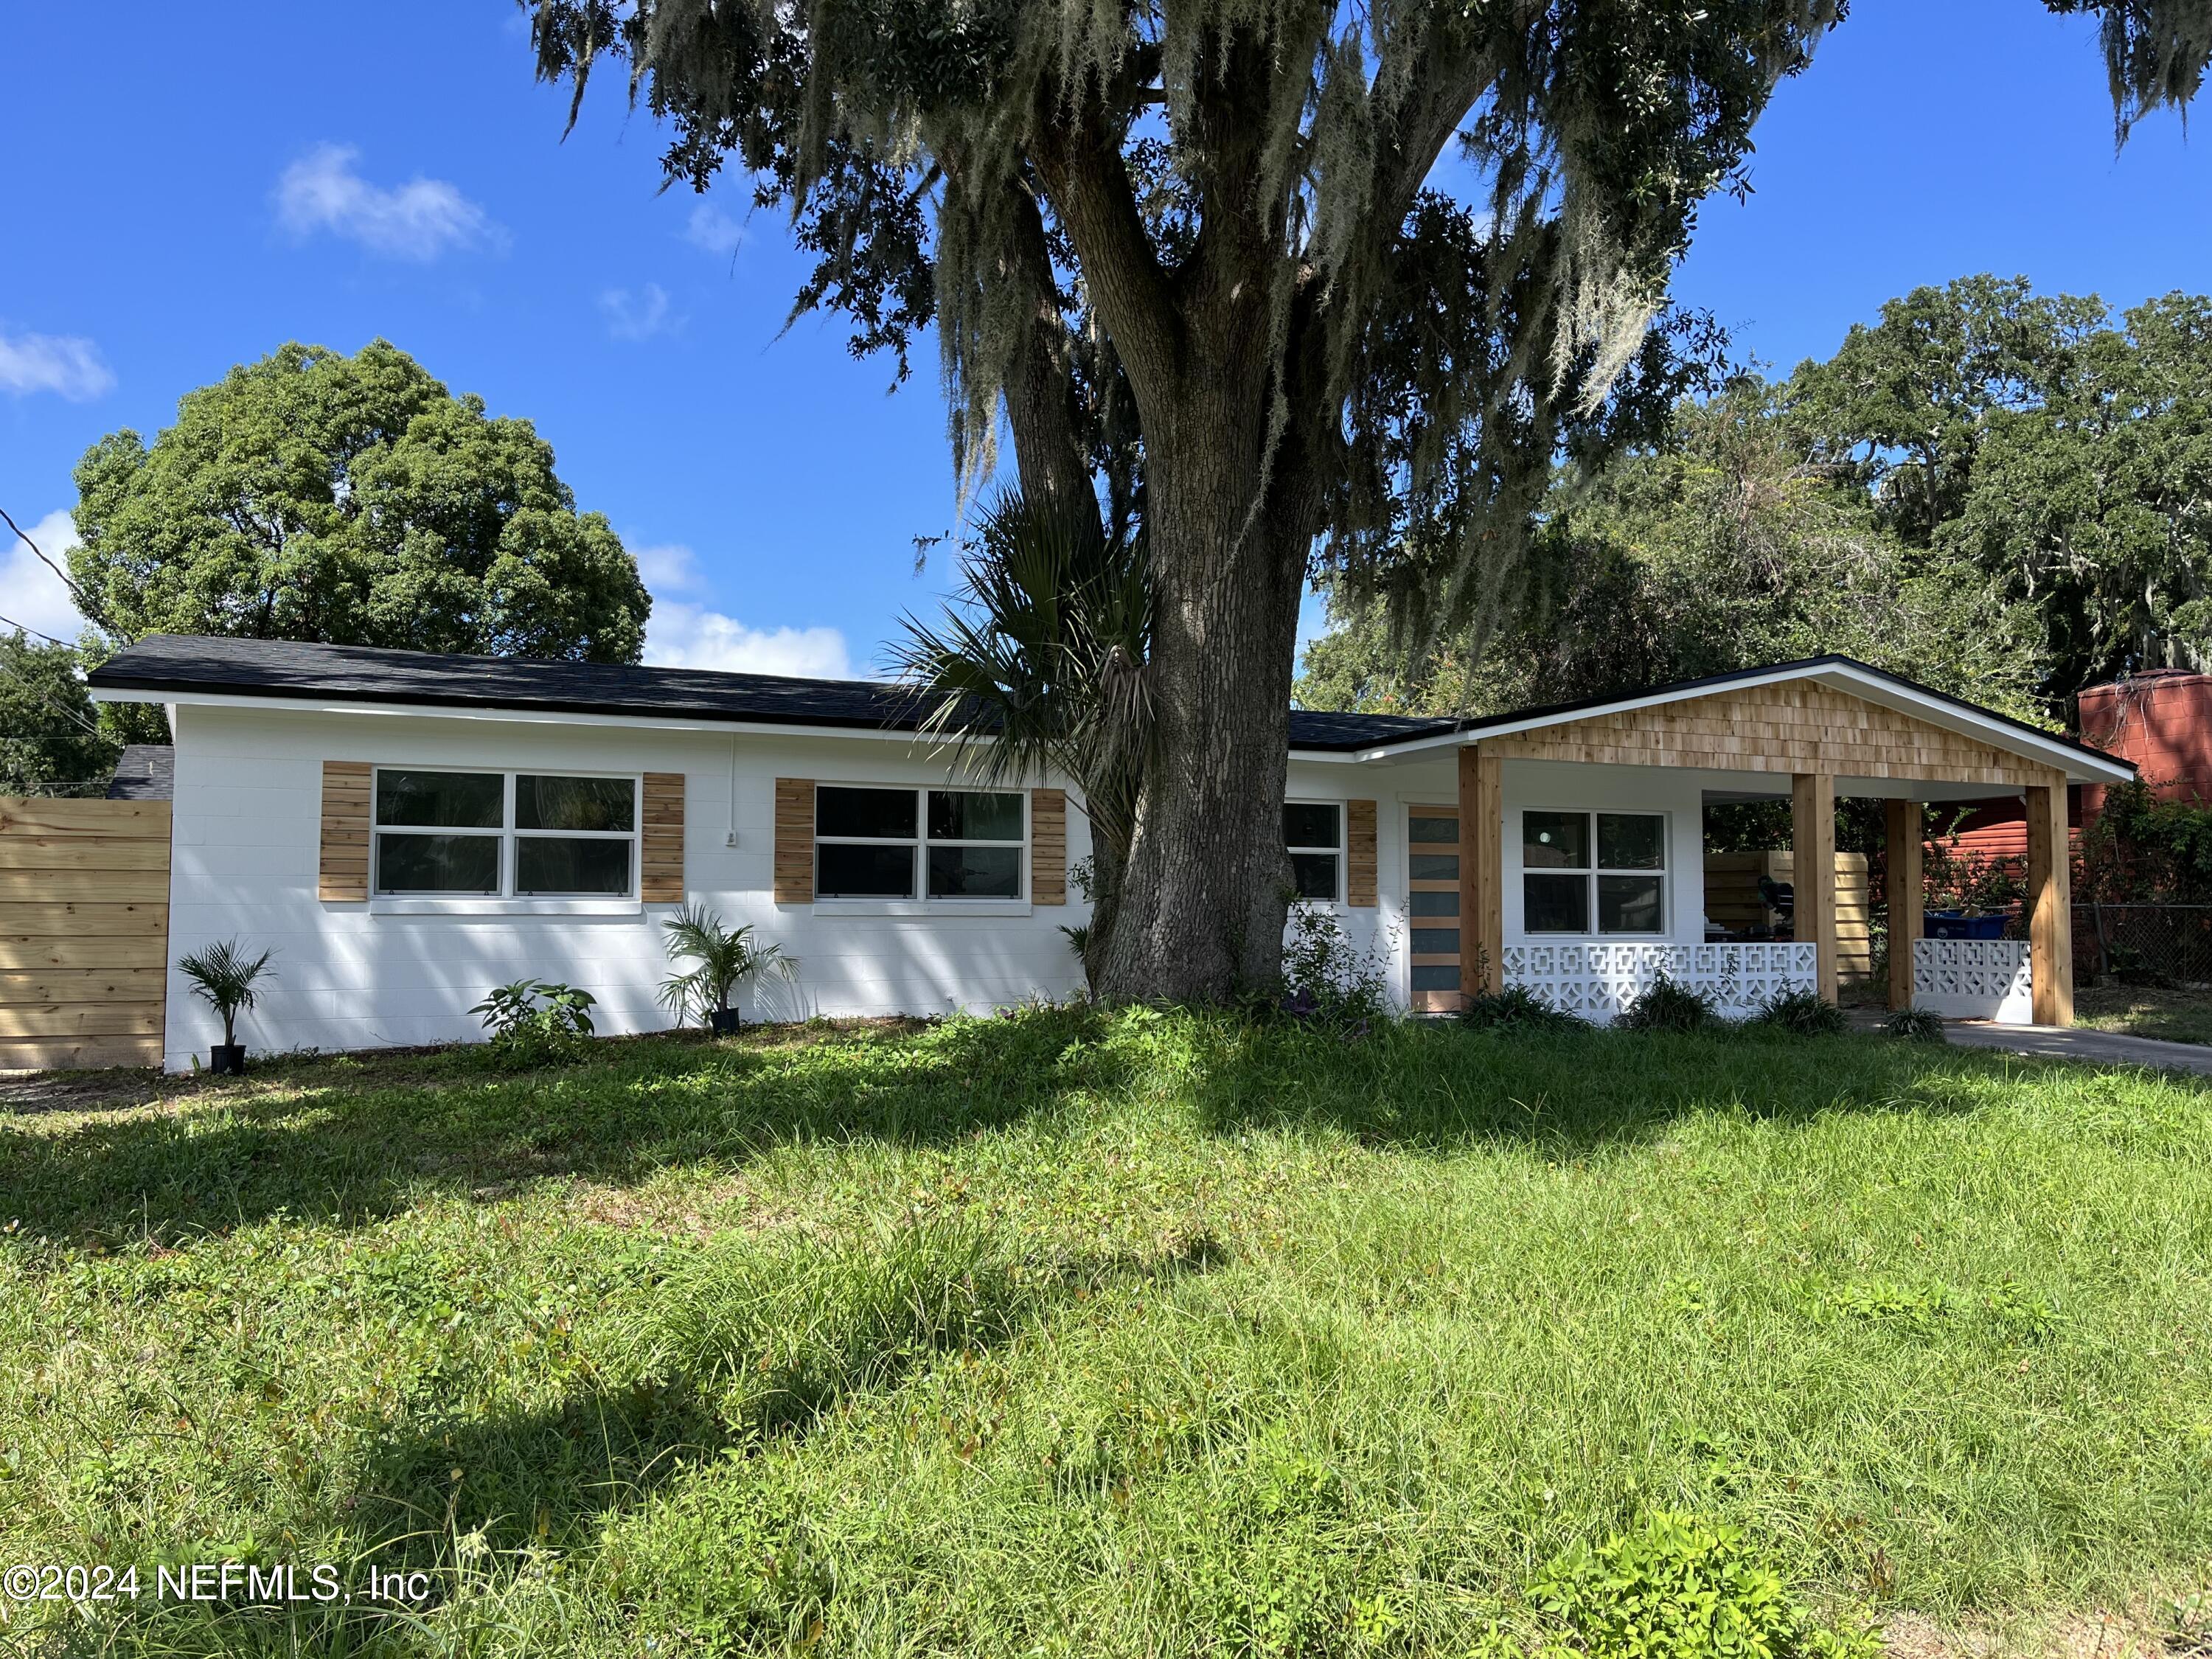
(2141, 1011)
(1071, 1335)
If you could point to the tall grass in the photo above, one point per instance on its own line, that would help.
(1150, 1333)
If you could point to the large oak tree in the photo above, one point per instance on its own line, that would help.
(1300, 282)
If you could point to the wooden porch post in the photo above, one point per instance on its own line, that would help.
(1813, 869)
(1903, 835)
(2050, 906)
(1481, 872)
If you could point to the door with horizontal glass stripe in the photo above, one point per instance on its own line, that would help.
(1432, 905)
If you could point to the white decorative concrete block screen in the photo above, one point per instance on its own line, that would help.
(1598, 982)
(1973, 979)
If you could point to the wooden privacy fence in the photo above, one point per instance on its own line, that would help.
(1732, 900)
(84, 932)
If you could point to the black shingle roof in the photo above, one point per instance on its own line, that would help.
(144, 771)
(356, 673)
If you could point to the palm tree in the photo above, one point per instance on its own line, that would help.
(224, 978)
(1040, 663)
(724, 959)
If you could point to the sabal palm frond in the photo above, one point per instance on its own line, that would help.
(1041, 662)
(724, 959)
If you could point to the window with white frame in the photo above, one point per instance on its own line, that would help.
(1313, 835)
(1593, 873)
(524, 835)
(886, 843)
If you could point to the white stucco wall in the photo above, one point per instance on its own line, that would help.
(248, 810)
(247, 830)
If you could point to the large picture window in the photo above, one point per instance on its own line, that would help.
(524, 835)
(1312, 834)
(875, 844)
(1593, 873)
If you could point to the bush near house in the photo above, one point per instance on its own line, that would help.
(1116, 1334)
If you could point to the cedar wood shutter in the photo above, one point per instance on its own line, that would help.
(661, 861)
(794, 841)
(1047, 846)
(342, 877)
(1359, 847)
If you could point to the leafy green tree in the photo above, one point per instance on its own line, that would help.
(2064, 460)
(50, 741)
(1726, 548)
(313, 495)
(1199, 256)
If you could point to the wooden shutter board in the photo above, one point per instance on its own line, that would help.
(1360, 879)
(1047, 846)
(342, 873)
(794, 841)
(661, 858)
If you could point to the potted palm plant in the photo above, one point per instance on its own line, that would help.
(723, 959)
(226, 979)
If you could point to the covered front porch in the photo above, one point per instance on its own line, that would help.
(1539, 797)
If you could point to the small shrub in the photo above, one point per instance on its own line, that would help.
(722, 959)
(1326, 980)
(1916, 1025)
(1516, 1008)
(227, 979)
(537, 1022)
(1800, 1013)
(1687, 1587)
(1669, 1006)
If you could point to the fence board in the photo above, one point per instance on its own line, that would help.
(146, 985)
(76, 1019)
(53, 1054)
(56, 852)
(36, 952)
(84, 932)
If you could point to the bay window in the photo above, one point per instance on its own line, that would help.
(526, 835)
(1593, 873)
(896, 844)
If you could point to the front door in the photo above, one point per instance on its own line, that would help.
(1432, 905)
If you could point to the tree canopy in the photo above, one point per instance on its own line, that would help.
(1202, 257)
(1726, 547)
(313, 495)
(2062, 454)
(51, 742)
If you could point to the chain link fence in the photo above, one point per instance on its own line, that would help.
(2164, 945)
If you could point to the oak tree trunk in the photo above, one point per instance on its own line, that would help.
(1202, 901)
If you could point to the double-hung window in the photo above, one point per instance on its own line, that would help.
(523, 834)
(875, 844)
(1593, 873)
(1313, 835)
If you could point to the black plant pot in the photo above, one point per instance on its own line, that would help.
(724, 1022)
(227, 1058)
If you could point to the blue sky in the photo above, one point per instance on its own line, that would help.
(181, 196)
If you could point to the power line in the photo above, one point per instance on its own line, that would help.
(77, 595)
(25, 628)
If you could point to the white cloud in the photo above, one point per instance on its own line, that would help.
(68, 364)
(688, 637)
(31, 595)
(418, 220)
(638, 316)
(668, 567)
(713, 230)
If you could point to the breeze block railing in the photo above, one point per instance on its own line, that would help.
(1973, 979)
(1599, 981)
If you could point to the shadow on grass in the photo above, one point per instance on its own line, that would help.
(751, 1348)
(354, 1141)
(1440, 1086)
